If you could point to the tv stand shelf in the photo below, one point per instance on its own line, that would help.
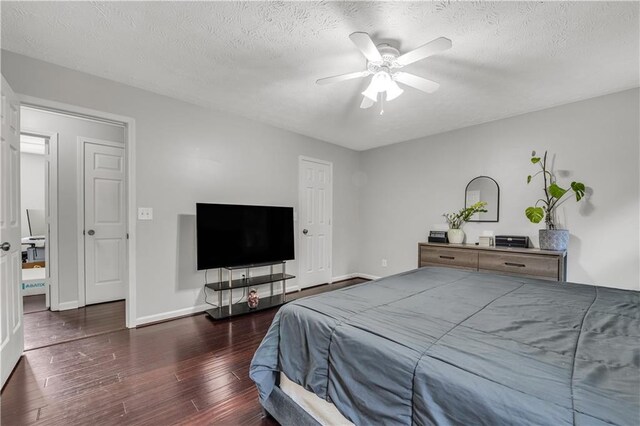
(241, 306)
(248, 282)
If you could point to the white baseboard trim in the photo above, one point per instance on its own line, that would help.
(172, 314)
(65, 306)
(354, 275)
(342, 277)
(366, 276)
(292, 288)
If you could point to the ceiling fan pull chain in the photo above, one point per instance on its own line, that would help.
(381, 103)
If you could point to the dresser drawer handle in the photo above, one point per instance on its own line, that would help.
(519, 265)
(447, 257)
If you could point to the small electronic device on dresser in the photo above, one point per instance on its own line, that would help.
(512, 241)
(438, 237)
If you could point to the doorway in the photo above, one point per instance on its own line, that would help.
(315, 221)
(86, 179)
(12, 318)
(39, 220)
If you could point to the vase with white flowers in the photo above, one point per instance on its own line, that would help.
(551, 238)
(456, 220)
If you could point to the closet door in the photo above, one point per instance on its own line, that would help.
(315, 211)
(105, 223)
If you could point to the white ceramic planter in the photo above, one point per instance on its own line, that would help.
(554, 239)
(456, 236)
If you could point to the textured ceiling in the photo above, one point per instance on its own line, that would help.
(261, 59)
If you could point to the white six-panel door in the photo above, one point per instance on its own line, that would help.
(104, 223)
(314, 222)
(11, 333)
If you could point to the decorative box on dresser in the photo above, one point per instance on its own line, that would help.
(527, 262)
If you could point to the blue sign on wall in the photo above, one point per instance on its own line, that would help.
(32, 285)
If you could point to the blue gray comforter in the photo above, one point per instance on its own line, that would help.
(443, 346)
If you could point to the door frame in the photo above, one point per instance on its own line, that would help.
(130, 160)
(302, 158)
(51, 185)
(81, 141)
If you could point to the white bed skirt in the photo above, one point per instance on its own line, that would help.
(322, 411)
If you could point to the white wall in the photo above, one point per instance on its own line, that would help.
(409, 186)
(385, 200)
(32, 186)
(68, 129)
(187, 154)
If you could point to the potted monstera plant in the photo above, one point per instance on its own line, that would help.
(456, 220)
(551, 238)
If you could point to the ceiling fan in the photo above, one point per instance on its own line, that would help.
(384, 62)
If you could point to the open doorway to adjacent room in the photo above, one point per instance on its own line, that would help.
(34, 153)
(73, 193)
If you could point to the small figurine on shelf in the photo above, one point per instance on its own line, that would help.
(253, 299)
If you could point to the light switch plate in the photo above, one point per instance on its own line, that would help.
(145, 213)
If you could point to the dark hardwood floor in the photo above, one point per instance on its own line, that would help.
(47, 328)
(35, 303)
(191, 370)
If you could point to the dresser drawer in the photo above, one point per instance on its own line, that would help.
(520, 264)
(442, 256)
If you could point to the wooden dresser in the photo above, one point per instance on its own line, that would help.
(534, 263)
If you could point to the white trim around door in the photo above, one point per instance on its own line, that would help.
(130, 150)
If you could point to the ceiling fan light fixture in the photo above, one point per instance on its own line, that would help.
(380, 82)
(371, 92)
(393, 90)
(384, 62)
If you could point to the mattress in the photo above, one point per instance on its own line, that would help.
(321, 410)
(446, 346)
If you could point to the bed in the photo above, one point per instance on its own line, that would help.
(439, 346)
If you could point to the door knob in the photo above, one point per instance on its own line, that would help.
(6, 246)
(305, 231)
(91, 232)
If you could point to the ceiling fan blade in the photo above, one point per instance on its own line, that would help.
(366, 46)
(343, 77)
(366, 103)
(416, 82)
(424, 51)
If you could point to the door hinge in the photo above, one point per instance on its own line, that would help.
(127, 235)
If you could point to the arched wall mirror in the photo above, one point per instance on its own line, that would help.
(483, 188)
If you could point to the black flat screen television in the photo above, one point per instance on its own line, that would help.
(237, 235)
